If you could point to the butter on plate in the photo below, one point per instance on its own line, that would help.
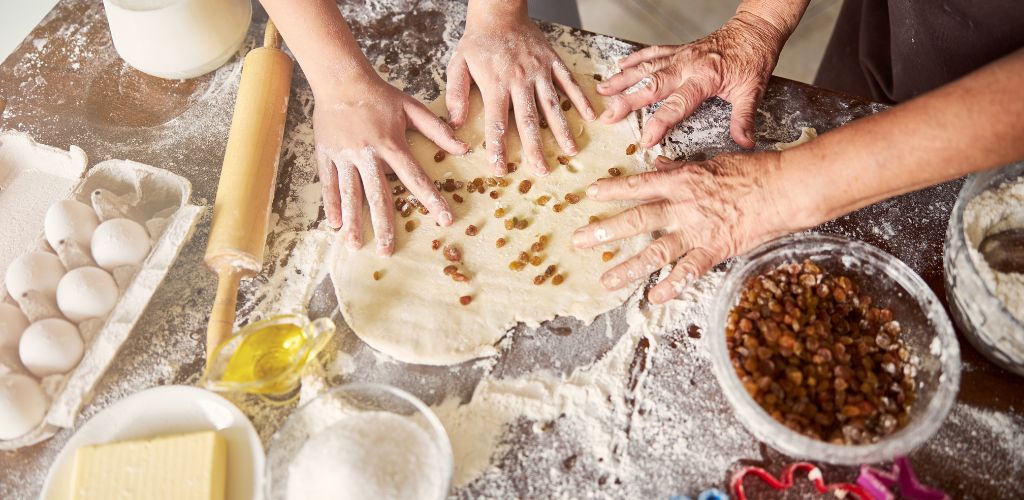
(181, 467)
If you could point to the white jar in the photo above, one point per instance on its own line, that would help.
(177, 39)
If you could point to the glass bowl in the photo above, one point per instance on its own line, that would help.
(348, 406)
(927, 333)
(267, 357)
(982, 317)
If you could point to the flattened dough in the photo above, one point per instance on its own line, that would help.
(413, 314)
(807, 134)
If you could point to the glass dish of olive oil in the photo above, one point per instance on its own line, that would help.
(267, 357)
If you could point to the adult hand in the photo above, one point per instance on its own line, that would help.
(507, 56)
(733, 63)
(359, 130)
(709, 211)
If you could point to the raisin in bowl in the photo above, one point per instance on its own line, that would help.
(831, 350)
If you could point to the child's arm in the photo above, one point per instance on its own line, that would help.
(508, 58)
(359, 123)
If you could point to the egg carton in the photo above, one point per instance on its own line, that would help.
(153, 197)
(32, 177)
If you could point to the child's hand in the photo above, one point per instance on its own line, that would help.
(511, 62)
(360, 137)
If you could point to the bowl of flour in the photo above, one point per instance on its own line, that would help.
(987, 305)
(360, 441)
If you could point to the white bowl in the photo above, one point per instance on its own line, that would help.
(171, 409)
(981, 315)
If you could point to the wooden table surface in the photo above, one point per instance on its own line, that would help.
(65, 85)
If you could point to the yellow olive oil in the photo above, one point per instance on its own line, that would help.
(265, 355)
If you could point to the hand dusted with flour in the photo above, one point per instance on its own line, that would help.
(360, 123)
(734, 63)
(708, 211)
(512, 64)
(448, 294)
(353, 161)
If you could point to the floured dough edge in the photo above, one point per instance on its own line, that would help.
(404, 348)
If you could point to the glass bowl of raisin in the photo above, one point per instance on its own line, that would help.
(832, 350)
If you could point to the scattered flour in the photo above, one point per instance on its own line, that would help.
(610, 423)
(990, 444)
(664, 423)
(343, 365)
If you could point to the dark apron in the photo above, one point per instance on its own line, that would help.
(554, 11)
(891, 51)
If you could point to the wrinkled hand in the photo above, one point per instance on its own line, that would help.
(360, 137)
(709, 211)
(733, 63)
(512, 63)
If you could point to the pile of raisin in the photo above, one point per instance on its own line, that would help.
(820, 357)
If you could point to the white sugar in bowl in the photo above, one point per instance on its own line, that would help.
(86, 293)
(38, 271)
(51, 346)
(72, 220)
(120, 242)
(22, 405)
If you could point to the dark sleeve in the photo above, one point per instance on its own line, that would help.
(891, 51)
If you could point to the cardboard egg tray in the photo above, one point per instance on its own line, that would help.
(157, 199)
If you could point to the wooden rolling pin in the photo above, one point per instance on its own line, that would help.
(241, 213)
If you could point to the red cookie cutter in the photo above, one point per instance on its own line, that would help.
(813, 475)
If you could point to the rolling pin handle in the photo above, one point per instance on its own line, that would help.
(222, 317)
(271, 37)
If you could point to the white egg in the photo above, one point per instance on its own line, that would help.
(22, 405)
(120, 242)
(51, 346)
(70, 219)
(86, 293)
(12, 324)
(40, 271)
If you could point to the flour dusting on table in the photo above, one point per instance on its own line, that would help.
(679, 436)
(605, 426)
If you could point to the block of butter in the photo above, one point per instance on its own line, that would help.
(181, 467)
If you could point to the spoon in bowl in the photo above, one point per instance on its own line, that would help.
(1004, 251)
